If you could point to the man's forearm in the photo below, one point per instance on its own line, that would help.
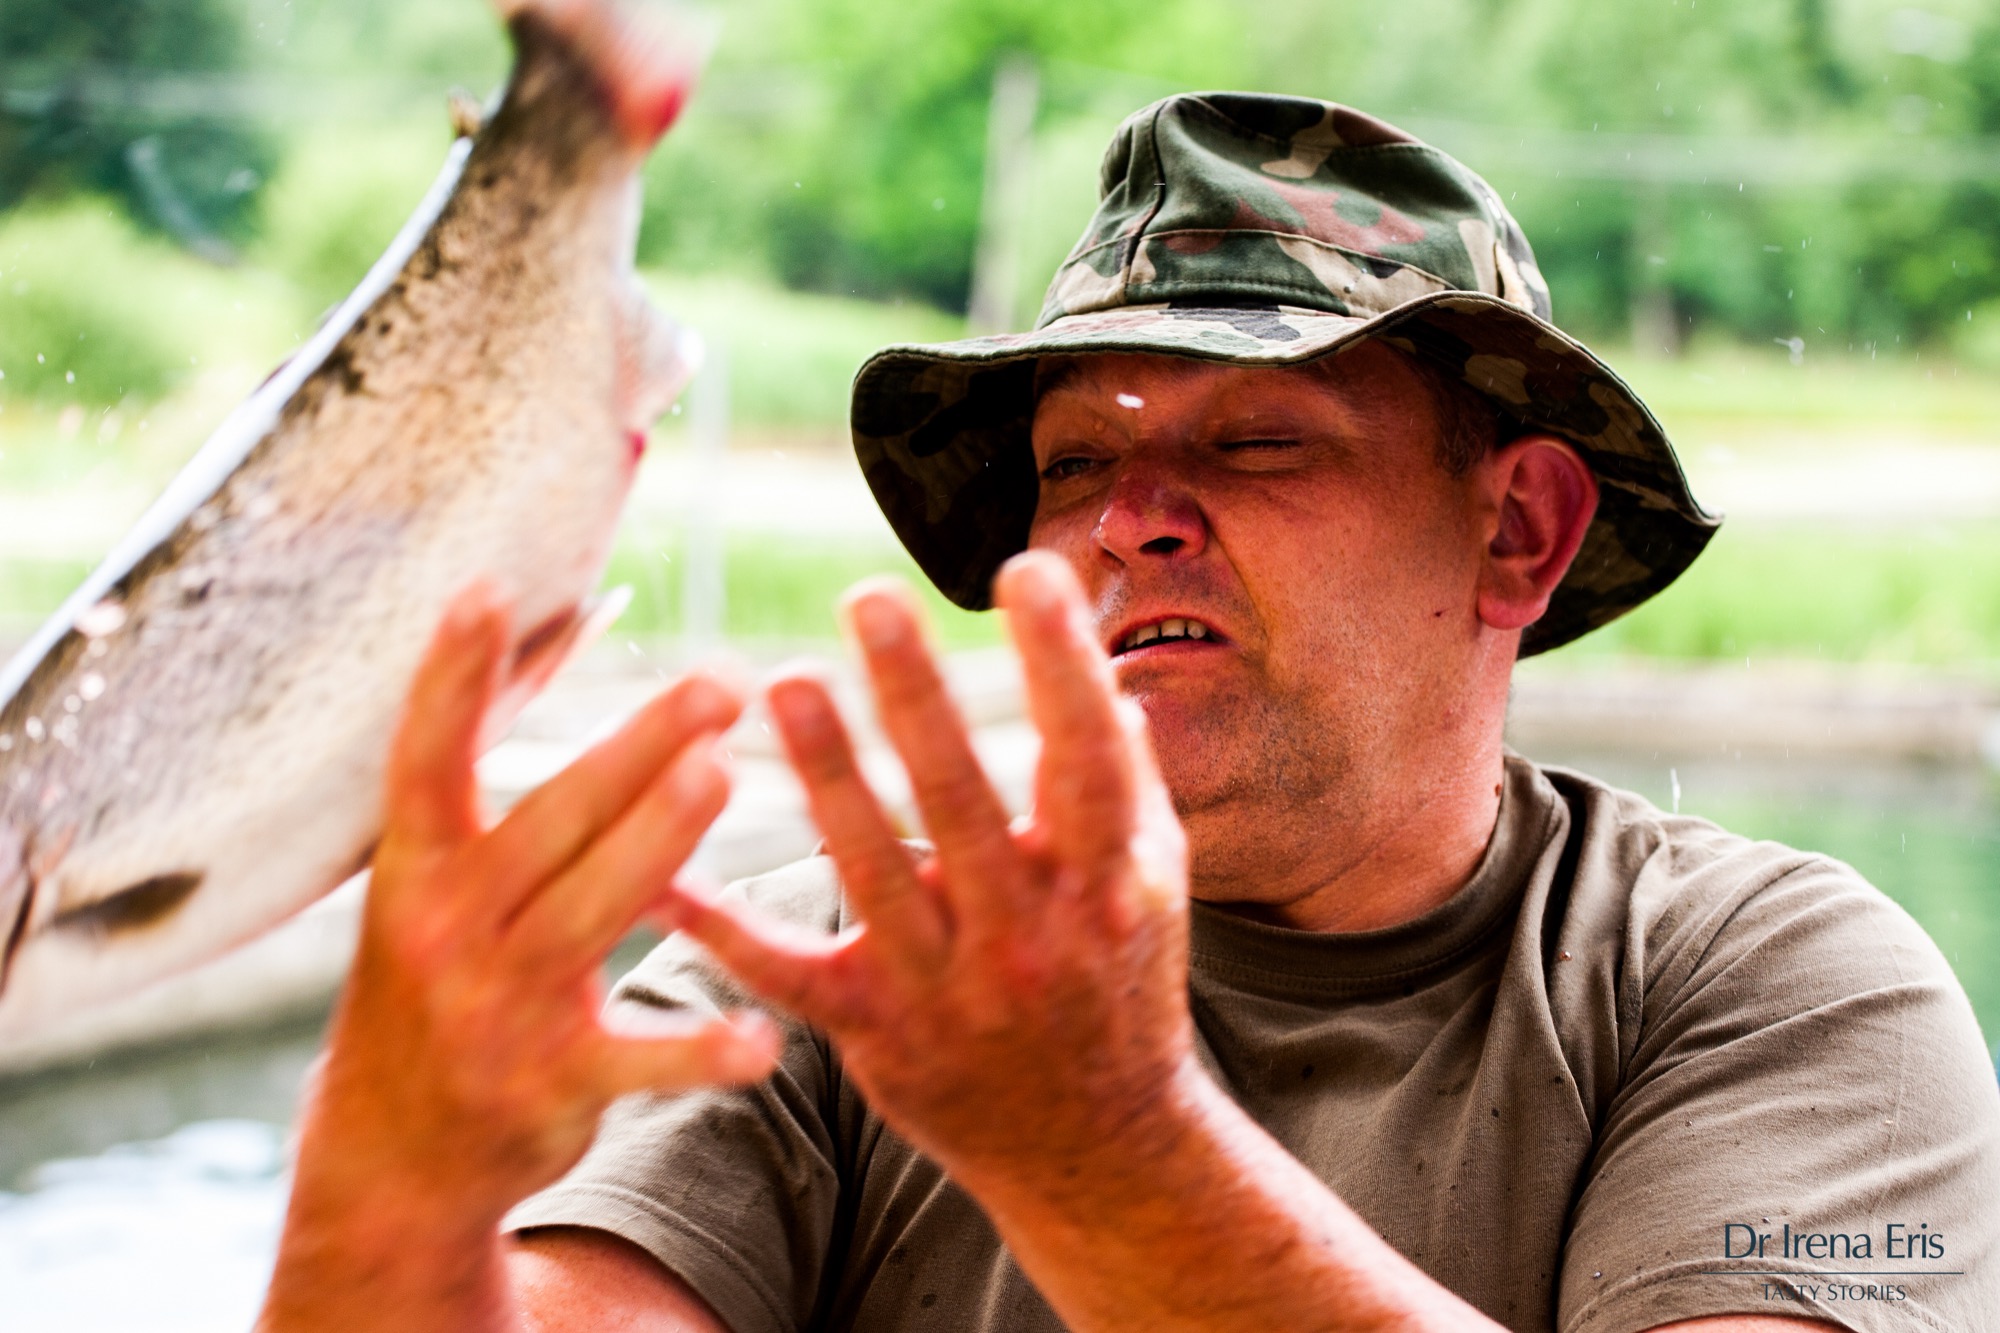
(333, 1273)
(1196, 1219)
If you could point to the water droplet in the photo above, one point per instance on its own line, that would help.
(69, 377)
(98, 648)
(1131, 400)
(35, 729)
(6, 741)
(107, 617)
(91, 686)
(72, 704)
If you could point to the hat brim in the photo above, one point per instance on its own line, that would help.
(942, 432)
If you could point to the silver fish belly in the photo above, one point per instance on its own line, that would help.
(193, 748)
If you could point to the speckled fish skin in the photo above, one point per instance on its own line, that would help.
(194, 748)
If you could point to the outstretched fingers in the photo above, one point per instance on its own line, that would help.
(1089, 794)
(963, 814)
(672, 1050)
(875, 867)
(560, 820)
(818, 977)
(567, 926)
(432, 792)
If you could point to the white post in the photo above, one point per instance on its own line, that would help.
(1003, 206)
(703, 591)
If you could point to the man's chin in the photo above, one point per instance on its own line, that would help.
(1204, 766)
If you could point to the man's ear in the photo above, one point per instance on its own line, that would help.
(1543, 497)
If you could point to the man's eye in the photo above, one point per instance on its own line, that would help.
(1064, 468)
(1238, 446)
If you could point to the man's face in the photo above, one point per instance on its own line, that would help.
(1307, 565)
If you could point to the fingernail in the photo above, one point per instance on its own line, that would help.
(698, 768)
(1035, 588)
(707, 697)
(798, 705)
(757, 1040)
(878, 621)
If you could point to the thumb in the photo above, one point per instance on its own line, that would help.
(669, 1051)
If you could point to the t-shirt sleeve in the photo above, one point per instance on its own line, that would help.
(734, 1190)
(1805, 1065)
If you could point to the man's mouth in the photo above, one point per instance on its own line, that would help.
(1174, 629)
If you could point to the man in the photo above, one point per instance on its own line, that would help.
(1296, 1003)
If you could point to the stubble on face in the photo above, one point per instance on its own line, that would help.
(1283, 744)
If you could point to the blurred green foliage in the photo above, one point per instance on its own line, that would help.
(1799, 169)
(1796, 168)
(68, 123)
(791, 355)
(1835, 593)
(92, 310)
(842, 142)
(338, 200)
(778, 592)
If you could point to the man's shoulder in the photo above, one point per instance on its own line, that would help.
(1686, 903)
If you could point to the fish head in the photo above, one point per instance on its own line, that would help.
(644, 56)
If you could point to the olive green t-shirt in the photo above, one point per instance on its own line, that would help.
(1577, 1094)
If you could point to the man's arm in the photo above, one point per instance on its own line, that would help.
(1016, 1005)
(467, 1065)
(569, 1280)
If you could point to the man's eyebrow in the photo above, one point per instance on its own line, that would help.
(1052, 373)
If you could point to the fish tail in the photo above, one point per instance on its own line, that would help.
(644, 55)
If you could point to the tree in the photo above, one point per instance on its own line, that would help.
(122, 97)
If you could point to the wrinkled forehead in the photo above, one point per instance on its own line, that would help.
(1366, 377)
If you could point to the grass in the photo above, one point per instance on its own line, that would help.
(792, 355)
(780, 593)
(1907, 391)
(1927, 596)
(195, 338)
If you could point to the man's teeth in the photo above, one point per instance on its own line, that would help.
(1165, 629)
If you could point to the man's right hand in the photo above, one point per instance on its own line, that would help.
(467, 1064)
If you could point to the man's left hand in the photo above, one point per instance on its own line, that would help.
(1015, 1002)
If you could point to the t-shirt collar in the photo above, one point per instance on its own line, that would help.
(1266, 957)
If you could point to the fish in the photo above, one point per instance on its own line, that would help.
(193, 748)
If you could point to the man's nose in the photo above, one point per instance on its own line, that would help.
(1149, 513)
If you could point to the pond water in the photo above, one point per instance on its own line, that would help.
(146, 1192)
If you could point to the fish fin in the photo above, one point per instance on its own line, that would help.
(465, 113)
(17, 899)
(133, 907)
(545, 650)
(656, 359)
(645, 54)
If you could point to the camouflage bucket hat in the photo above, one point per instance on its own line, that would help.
(1268, 231)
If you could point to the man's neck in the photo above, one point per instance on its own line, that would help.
(1353, 863)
